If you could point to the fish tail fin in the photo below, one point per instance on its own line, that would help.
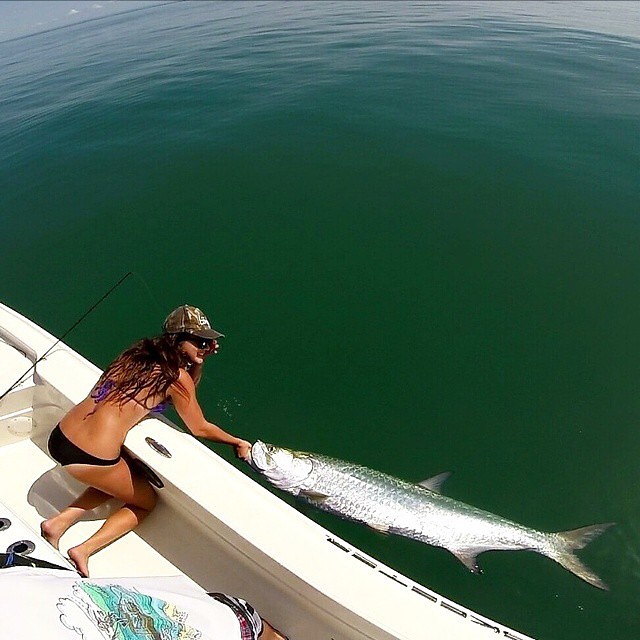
(570, 541)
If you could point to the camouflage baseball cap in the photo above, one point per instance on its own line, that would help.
(189, 319)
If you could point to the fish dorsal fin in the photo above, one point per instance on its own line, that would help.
(380, 528)
(469, 558)
(313, 496)
(435, 483)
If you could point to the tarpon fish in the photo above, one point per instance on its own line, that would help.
(417, 511)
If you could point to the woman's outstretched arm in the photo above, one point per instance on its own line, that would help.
(186, 403)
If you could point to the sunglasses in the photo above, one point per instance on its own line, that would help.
(200, 343)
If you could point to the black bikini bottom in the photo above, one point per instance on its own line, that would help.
(65, 452)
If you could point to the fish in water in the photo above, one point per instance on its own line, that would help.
(418, 511)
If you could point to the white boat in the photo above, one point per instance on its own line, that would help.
(213, 524)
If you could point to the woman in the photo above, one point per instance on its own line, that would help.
(88, 440)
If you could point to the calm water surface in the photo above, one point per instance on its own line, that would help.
(417, 223)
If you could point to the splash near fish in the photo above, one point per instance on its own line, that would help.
(418, 511)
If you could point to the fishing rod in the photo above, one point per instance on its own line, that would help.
(65, 334)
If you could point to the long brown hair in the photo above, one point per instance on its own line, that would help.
(150, 366)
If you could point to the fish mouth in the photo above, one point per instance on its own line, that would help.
(258, 456)
(281, 467)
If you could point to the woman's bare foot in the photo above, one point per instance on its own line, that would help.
(51, 531)
(80, 559)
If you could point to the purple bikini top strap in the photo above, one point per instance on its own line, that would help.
(102, 390)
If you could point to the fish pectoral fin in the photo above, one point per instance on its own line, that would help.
(435, 483)
(313, 496)
(379, 527)
(469, 558)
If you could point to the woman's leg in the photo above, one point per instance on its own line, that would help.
(53, 528)
(118, 481)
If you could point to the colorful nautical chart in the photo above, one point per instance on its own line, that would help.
(114, 612)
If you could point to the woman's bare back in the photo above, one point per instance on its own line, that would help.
(100, 428)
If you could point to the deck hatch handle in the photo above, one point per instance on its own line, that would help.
(157, 447)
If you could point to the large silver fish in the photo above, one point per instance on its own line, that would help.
(417, 511)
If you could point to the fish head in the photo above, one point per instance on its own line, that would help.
(283, 468)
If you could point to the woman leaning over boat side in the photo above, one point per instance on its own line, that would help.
(88, 441)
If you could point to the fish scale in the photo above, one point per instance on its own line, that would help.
(407, 509)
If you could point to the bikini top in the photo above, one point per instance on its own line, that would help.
(102, 390)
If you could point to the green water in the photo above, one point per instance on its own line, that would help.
(416, 223)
